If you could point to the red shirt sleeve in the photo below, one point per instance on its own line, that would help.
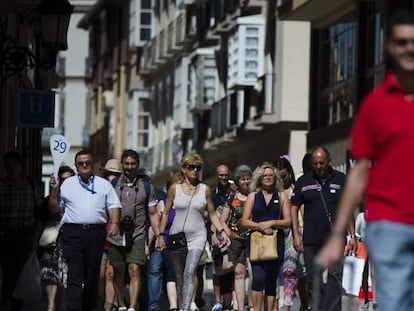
(362, 142)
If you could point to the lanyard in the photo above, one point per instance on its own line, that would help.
(90, 186)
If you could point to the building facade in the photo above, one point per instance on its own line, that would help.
(226, 79)
(73, 70)
(230, 81)
(27, 64)
(348, 60)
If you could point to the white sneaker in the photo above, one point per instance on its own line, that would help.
(122, 309)
(131, 309)
(193, 307)
(365, 307)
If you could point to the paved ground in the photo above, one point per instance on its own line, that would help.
(349, 303)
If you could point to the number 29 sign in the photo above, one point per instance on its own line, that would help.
(59, 148)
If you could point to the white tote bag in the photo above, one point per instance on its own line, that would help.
(352, 274)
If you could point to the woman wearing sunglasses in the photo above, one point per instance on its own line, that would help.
(190, 199)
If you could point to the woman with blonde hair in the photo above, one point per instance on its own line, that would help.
(190, 198)
(266, 209)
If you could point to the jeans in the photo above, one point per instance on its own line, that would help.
(154, 278)
(391, 252)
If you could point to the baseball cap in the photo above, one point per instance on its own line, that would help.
(113, 165)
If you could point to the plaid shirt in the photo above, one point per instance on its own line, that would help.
(17, 204)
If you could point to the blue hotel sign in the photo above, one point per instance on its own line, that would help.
(36, 108)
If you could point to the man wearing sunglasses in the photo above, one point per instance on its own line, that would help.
(382, 140)
(89, 202)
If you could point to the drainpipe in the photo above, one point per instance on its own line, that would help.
(120, 136)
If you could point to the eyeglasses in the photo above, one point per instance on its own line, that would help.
(402, 42)
(268, 176)
(83, 163)
(193, 167)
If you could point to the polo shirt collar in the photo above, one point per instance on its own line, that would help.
(391, 84)
(330, 176)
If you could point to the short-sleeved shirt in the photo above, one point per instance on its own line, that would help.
(219, 199)
(383, 132)
(134, 201)
(316, 226)
(87, 203)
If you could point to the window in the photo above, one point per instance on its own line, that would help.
(144, 122)
(61, 66)
(373, 45)
(337, 69)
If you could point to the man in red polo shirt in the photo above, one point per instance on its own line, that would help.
(383, 142)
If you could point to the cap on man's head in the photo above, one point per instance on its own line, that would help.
(113, 165)
(142, 171)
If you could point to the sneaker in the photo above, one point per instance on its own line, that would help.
(193, 307)
(131, 309)
(200, 302)
(365, 306)
(374, 305)
(122, 309)
(217, 306)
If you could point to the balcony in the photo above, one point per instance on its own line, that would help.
(313, 10)
(147, 59)
(171, 40)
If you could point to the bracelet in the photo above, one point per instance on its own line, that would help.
(114, 222)
(160, 234)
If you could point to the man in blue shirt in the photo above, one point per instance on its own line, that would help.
(86, 201)
(319, 192)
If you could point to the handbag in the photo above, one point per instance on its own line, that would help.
(50, 234)
(222, 263)
(263, 246)
(178, 242)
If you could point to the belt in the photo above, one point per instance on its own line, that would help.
(85, 226)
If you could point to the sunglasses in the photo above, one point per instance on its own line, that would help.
(83, 163)
(193, 167)
(401, 42)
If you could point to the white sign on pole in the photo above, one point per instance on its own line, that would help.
(59, 148)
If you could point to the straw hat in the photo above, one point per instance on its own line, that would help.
(113, 165)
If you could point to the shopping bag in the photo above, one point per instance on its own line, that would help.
(352, 274)
(28, 284)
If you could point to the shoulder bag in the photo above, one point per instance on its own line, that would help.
(50, 234)
(178, 242)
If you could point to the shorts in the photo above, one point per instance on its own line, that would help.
(238, 251)
(119, 256)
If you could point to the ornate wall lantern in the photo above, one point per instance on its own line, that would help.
(54, 16)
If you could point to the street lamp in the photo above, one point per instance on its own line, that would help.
(54, 16)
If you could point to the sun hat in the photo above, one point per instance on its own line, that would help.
(113, 165)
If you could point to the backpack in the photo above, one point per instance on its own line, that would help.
(147, 187)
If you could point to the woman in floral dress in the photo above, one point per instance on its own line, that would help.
(230, 218)
(53, 268)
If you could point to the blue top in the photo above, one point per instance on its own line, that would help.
(316, 227)
(272, 211)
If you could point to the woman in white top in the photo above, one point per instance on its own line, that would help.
(190, 198)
